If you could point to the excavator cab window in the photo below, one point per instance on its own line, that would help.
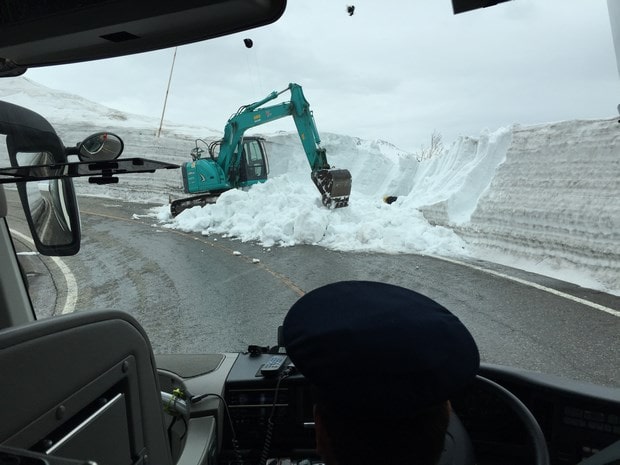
(254, 164)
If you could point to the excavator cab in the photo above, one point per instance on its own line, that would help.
(254, 166)
(205, 177)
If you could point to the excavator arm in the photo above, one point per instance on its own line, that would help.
(255, 114)
(213, 175)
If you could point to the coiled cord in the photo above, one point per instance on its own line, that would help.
(270, 424)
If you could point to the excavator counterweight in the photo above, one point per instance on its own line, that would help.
(242, 161)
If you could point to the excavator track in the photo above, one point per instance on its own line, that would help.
(179, 205)
(334, 186)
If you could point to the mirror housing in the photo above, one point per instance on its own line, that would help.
(50, 207)
(55, 231)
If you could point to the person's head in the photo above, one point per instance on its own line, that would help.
(384, 361)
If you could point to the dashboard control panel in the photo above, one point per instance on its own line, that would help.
(270, 413)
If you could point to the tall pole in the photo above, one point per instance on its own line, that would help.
(174, 57)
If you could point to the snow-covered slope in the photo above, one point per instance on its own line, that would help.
(75, 118)
(543, 198)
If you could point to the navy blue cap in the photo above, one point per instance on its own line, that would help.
(379, 348)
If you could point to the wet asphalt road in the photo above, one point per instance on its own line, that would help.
(197, 294)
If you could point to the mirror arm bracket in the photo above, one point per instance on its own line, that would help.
(103, 180)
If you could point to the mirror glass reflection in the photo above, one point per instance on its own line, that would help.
(102, 146)
(46, 203)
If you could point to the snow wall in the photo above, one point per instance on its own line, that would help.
(554, 200)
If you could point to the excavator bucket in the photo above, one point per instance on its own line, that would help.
(334, 186)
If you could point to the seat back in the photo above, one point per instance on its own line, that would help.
(82, 386)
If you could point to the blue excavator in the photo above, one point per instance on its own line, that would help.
(236, 161)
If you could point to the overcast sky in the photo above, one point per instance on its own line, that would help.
(395, 72)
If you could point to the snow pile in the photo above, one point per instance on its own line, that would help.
(543, 198)
(287, 211)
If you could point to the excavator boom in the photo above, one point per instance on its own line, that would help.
(242, 161)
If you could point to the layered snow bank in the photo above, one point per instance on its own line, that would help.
(543, 198)
(552, 205)
(555, 202)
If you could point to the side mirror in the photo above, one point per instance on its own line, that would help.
(102, 146)
(50, 208)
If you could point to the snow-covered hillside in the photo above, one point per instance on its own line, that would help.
(542, 198)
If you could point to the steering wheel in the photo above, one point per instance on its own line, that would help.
(458, 448)
(528, 420)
